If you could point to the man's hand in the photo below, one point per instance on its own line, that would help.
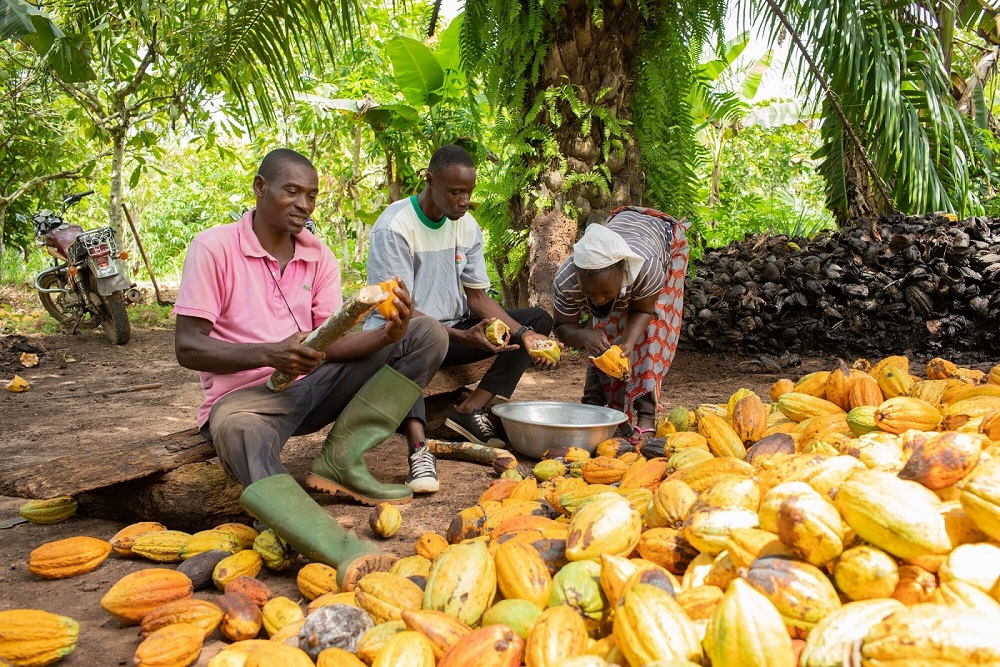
(292, 357)
(395, 326)
(476, 337)
(595, 342)
(529, 337)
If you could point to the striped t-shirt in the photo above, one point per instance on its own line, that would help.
(647, 236)
(436, 259)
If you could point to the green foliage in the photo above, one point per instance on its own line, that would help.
(885, 67)
(768, 186)
(662, 104)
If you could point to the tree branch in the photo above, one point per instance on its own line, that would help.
(87, 100)
(45, 178)
(980, 73)
(140, 71)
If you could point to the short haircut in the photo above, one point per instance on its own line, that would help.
(275, 161)
(448, 155)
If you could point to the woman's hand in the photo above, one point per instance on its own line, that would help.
(595, 342)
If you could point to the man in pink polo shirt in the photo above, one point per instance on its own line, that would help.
(250, 293)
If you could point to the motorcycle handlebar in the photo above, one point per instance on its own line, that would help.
(69, 200)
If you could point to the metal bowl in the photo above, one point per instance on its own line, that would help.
(534, 426)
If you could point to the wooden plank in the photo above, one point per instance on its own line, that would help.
(84, 471)
(450, 379)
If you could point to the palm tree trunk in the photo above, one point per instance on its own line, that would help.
(595, 63)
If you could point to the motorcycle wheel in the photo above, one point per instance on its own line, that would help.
(115, 321)
(53, 303)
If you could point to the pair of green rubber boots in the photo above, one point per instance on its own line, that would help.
(279, 502)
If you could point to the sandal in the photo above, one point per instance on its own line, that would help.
(639, 434)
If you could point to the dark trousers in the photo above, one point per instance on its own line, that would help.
(508, 367)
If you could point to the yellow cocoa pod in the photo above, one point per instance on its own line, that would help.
(176, 644)
(943, 460)
(604, 470)
(931, 391)
(68, 557)
(52, 510)
(202, 613)
(613, 362)
(707, 529)
(246, 563)
(780, 388)
(124, 538)
(745, 545)
(898, 516)
(802, 593)
(933, 634)
(386, 308)
(385, 596)
(606, 524)
(139, 593)
(650, 625)
(522, 574)
(799, 406)
(316, 579)
(246, 534)
(866, 572)
(813, 384)
(747, 630)
(559, 633)
(893, 381)
(811, 528)
(34, 637)
(749, 419)
(545, 349)
(406, 649)
(275, 552)
(864, 391)
(429, 545)
(385, 520)
(844, 627)
(275, 654)
(279, 612)
(670, 504)
(722, 439)
(981, 497)
(210, 540)
(976, 564)
(346, 597)
(462, 582)
(902, 413)
(163, 546)
(667, 548)
(497, 332)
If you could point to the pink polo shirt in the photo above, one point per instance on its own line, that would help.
(232, 282)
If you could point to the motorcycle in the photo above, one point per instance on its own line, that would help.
(88, 285)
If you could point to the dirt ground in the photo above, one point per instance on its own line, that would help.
(62, 411)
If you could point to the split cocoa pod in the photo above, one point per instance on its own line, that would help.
(545, 349)
(387, 309)
(497, 332)
(613, 362)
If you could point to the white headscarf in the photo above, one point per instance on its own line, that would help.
(600, 247)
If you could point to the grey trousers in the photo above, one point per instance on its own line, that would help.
(250, 426)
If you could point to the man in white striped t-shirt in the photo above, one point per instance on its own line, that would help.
(435, 246)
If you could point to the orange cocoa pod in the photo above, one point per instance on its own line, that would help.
(387, 309)
(492, 646)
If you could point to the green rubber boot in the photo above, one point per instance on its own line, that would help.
(372, 416)
(284, 506)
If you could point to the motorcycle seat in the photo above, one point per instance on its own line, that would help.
(62, 238)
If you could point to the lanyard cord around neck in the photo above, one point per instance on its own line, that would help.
(278, 287)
